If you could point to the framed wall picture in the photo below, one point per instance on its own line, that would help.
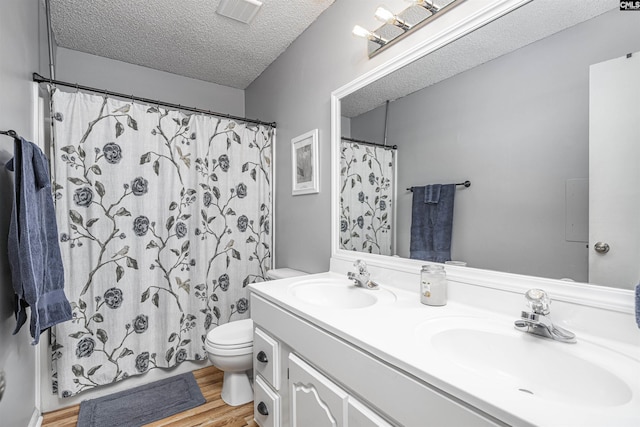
(304, 158)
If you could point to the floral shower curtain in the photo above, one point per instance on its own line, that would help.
(366, 198)
(164, 220)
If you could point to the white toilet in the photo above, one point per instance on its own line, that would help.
(230, 349)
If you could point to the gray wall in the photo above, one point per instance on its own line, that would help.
(295, 92)
(518, 128)
(103, 73)
(19, 52)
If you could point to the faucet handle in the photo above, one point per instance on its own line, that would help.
(361, 268)
(538, 300)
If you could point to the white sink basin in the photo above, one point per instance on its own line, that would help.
(583, 373)
(338, 294)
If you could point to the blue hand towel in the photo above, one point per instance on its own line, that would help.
(34, 255)
(432, 224)
(638, 305)
(432, 193)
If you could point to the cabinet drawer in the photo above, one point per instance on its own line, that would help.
(266, 357)
(266, 404)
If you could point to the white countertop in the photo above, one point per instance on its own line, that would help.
(399, 330)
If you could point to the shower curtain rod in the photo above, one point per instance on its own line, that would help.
(467, 184)
(39, 79)
(393, 147)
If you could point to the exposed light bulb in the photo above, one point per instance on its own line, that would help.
(388, 17)
(361, 32)
(384, 15)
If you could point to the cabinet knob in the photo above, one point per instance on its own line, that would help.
(601, 248)
(262, 408)
(262, 357)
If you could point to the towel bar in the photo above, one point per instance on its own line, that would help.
(466, 184)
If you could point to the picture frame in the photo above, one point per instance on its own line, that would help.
(305, 164)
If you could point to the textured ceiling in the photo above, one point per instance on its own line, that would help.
(527, 24)
(184, 37)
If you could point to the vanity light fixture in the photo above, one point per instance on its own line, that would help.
(396, 26)
(363, 32)
(388, 17)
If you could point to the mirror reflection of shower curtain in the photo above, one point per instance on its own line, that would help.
(367, 198)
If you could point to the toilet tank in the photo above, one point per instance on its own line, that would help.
(284, 273)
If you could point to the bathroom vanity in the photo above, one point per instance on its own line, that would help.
(329, 353)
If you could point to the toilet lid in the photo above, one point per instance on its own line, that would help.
(233, 334)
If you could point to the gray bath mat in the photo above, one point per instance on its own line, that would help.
(142, 405)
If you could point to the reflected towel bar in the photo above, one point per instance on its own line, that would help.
(467, 184)
(11, 133)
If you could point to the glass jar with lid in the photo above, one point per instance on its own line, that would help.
(433, 285)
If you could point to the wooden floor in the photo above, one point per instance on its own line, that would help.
(213, 413)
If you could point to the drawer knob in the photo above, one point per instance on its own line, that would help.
(262, 357)
(262, 408)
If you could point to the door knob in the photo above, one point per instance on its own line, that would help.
(262, 357)
(601, 248)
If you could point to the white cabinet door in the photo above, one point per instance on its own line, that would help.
(361, 416)
(315, 401)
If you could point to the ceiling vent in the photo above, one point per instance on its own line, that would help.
(240, 10)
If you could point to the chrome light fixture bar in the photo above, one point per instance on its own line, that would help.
(397, 26)
(426, 4)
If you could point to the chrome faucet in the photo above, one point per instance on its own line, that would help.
(538, 320)
(362, 276)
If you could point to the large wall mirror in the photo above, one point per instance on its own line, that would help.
(528, 109)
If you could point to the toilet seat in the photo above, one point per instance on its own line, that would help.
(231, 338)
(228, 352)
(229, 347)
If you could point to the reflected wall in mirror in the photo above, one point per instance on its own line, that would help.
(514, 119)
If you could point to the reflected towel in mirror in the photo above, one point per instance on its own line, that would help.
(432, 224)
(432, 193)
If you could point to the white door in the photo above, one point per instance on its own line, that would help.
(614, 172)
(315, 400)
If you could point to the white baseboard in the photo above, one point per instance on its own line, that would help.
(36, 419)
